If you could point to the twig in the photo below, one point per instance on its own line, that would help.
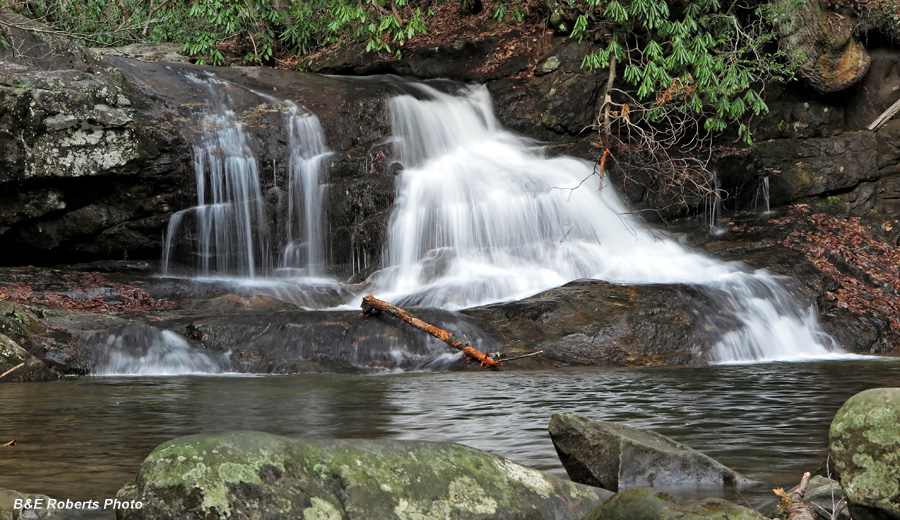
(522, 356)
(791, 506)
(884, 117)
(153, 11)
(9, 444)
(11, 370)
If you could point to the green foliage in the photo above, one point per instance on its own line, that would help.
(302, 27)
(700, 59)
(253, 21)
(253, 29)
(111, 23)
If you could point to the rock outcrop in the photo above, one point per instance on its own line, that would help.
(245, 475)
(865, 448)
(617, 457)
(88, 169)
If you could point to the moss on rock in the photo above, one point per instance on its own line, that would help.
(865, 447)
(258, 475)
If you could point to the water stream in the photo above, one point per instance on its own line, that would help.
(85, 438)
(481, 216)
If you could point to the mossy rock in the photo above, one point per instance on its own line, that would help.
(653, 504)
(261, 476)
(865, 448)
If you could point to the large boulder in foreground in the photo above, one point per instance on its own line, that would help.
(241, 475)
(865, 448)
(653, 504)
(617, 457)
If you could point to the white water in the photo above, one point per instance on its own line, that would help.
(228, 231)
(305, 236)
(141, 350)
(483, 216)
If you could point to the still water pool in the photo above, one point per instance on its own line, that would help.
(84, 438)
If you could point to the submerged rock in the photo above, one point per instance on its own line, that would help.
(653, 504)
(865, 447)
(257, 475)
(616, 457)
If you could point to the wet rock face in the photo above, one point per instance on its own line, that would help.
(865, 448)
(591, 322)
(654, 504)
(617, 457)
(86, 170)
(97, 154)
(246, 475)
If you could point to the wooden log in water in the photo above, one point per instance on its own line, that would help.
(371, 303)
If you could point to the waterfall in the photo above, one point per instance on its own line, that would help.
(483, 216)
(306, 142)
(762, 195)
(227, 234)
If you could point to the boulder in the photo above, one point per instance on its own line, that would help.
(592, 322)
(653, 504)
(865, 447)
(617, 457)
(242, 475)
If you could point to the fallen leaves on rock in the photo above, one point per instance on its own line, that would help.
(77, 291)
(866, 269)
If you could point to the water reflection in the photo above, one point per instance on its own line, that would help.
(84, 438)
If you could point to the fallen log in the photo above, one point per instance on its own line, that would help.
(371, 304)
(791, 506)
(11, 370)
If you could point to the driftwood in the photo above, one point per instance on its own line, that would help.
(884, 117)
(9, 444)
(11, 370)
(370, 304)
(791, 505)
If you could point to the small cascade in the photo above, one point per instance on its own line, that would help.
(483, 216)
(713, 204)
(230, 232)
(141, 350)
(227, 231)
(761, 202)
(305, 246)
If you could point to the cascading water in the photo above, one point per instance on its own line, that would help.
(483, 216)
(141, 350)
(305, 193)
(229, 220)
(228, 231)
(762, 196)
